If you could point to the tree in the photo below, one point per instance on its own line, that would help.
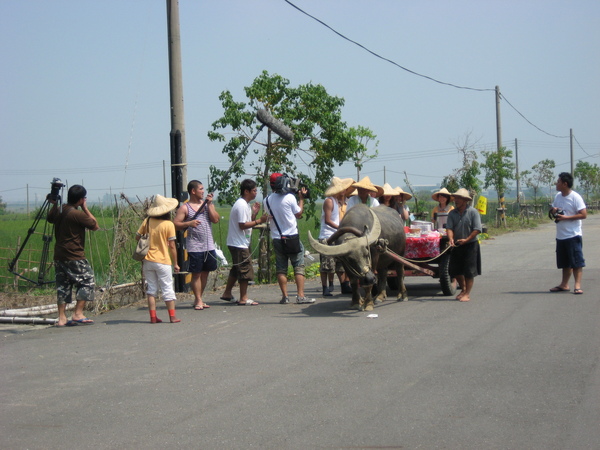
(321, 138)
(2, 206)
(466, 175)
(588, 176)
(498, 168)
(361, 139)
(540, 175)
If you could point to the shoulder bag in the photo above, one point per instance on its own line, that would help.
(291, 243)
(143, 244)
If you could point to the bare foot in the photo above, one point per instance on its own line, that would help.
(461, 295)
(175, 320)
(464, 298)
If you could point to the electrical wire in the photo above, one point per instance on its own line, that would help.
(386, 59)
(419, 74)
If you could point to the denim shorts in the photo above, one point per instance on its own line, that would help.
(569, 253)
(281, 259)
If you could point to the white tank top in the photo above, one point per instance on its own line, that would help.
(326, 230)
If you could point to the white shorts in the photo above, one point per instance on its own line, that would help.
(159, 275)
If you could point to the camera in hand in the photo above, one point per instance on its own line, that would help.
(554, 215)
(57, 185)
(288, 185)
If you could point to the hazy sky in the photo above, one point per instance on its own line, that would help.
(85, 91)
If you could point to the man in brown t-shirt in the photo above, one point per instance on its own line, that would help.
(70, 264)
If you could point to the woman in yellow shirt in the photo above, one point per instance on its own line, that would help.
(161, 255)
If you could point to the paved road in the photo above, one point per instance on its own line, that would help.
(515, 368)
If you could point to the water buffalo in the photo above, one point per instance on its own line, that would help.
(358, 243)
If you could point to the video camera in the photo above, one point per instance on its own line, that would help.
(57, 185)
(554, 215)
(288, 185)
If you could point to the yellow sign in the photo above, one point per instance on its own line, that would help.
(481, 205)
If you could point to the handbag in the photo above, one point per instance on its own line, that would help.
(290, 242)
(143, 244)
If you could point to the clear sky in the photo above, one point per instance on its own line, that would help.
(85, 91)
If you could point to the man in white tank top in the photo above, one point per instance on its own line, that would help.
(330, 219)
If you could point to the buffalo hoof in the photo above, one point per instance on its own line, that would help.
(368, 308)
(355, 306)
(402, 299)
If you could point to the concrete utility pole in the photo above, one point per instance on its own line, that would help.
(501, 209)
(571, 138)
(517, 173)
(177, 135)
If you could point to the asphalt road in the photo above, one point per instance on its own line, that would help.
(515, 368)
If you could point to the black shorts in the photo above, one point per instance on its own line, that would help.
(569, 253)
(465, 260)
(202, 261)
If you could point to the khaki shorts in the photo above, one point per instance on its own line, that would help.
(241, 268)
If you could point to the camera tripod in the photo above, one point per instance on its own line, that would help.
(47, 234)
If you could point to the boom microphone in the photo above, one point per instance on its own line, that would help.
(275, 125)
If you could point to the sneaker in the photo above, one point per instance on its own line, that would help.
(304, 300)
(284, 300)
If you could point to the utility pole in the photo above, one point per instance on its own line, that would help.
(517, 174)
(501, 209)
(177, 135)
(571, 139)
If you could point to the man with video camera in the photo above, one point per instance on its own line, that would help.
(70, 264)
(284, 210)
(568, 210)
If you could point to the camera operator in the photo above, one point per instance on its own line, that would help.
(568, 210)
(284, 212)
(70, 264)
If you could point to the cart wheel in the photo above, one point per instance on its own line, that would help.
(448, 284)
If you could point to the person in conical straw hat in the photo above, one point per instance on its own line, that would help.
(364, 191)
(387, 196)
(399, 202)
(161, 258)
(439, 215)
(463, 226)
(335, 197)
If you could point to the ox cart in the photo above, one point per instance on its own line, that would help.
(426, 255)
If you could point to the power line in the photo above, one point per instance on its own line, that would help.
(383, 58)
(528, 121)
(419, 74)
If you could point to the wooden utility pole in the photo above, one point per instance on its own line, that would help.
(177, 135)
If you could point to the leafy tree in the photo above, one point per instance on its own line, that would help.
(361, 140)
(588, 176)
(2, 206)
(540, 176)
(466, 175)
(321, 138)
(498, 168)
